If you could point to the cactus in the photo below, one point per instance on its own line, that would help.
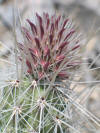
(41, 102)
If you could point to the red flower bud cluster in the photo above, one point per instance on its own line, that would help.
(52, 44)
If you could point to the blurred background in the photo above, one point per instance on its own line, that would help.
(86, 14)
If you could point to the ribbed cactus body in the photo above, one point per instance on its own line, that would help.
(42, 104)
